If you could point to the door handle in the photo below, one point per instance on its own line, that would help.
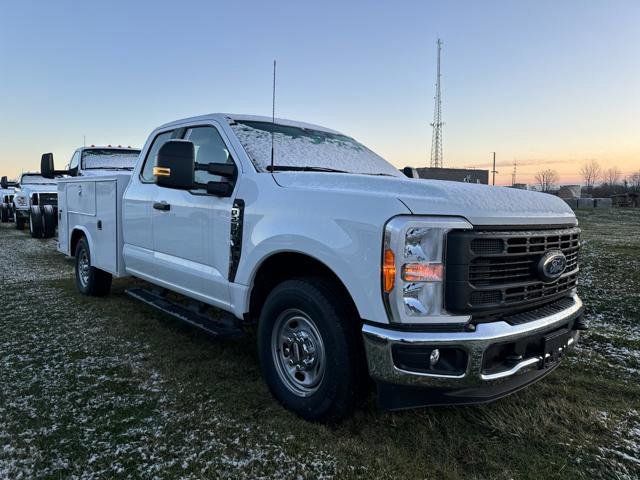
(164, 206)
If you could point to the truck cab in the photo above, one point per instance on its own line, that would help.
(100, 160)
(441, 292)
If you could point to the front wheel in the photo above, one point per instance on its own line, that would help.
(4, 213)
(310, 350)
(90, 280)
(19, 220)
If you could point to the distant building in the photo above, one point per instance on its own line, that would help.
(570, 191)
(453, 174)
(520, 186)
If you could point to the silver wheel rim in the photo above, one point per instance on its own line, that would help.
(83, 267)
(298, 352)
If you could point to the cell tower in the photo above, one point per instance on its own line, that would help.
(436, 139)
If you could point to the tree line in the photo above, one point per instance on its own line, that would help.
(598, 181)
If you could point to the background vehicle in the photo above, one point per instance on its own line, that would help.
(7, 190)
(444, 292)
(96, 160)
(35, 202)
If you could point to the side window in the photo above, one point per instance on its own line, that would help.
(210, 148)
(75, 160)
(150, 161)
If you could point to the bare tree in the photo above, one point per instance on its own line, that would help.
(634, 180)
(546, 179)
(611, 176)
(591, 172)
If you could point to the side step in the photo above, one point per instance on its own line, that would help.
(226, 326)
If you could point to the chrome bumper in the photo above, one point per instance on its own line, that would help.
(379, 341)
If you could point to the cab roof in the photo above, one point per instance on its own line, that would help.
(230, 117)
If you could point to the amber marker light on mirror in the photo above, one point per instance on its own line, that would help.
(388, 270)
(422, 272)
(161, 171)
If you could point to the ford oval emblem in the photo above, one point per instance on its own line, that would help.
(552, 265)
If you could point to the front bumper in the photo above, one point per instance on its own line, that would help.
(402, 388)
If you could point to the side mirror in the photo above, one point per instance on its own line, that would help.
(226, 170)
(220, 189)
(3, 182)
(175, 165)
(46, 165)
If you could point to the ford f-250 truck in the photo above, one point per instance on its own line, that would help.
(441, 292)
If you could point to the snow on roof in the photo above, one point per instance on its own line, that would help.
(252, 118)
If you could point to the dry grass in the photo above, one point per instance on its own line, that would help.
(95, 388)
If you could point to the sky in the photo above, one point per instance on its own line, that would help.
(545, 83)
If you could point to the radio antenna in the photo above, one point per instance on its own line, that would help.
(273, 113)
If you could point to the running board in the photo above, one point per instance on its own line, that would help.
(226, 326)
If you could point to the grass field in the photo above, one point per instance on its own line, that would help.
(109, 388)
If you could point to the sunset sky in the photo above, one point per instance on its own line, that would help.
(547, 83)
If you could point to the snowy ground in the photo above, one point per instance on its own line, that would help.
(102, 388)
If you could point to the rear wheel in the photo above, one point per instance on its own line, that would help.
(4, 213)
(49, 221)
(35, 222)
(310, 350)
(90, 280)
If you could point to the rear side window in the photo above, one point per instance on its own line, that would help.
(152, 155)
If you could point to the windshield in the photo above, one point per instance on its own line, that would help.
(106, 158)
(305, 147)
(36, 180)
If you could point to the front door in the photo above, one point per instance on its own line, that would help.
(191, 228)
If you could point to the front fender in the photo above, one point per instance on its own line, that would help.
(351, 251)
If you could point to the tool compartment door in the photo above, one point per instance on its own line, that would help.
(104, 254)
(81, 197)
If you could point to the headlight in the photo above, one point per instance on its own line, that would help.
(413, 269)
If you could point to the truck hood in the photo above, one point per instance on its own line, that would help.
(479, 204)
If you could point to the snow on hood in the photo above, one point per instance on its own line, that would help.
(479, 204)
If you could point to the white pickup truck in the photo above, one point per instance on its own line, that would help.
(441, 292)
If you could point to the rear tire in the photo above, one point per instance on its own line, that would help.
(35, 222)
(4, 213)
(90, 280)
(49, 221)
(310, 349)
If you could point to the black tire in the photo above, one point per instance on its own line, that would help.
(49, 221)
(19, 220)
(90, 280)
(337, 324)
(35, 222)
(4, 213)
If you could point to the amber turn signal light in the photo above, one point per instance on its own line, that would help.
(422, 272)
(388, 270)
(161, 171)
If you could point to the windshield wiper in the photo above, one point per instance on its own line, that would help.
(294, 168)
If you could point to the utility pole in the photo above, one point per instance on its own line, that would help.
(513, 175)
(494, 171)
(437, 159)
